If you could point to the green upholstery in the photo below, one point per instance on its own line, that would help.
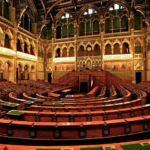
(136, 147)
(9, 104)
(146, 146)
(131, 147)
(15, 113)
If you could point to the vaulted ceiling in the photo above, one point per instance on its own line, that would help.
(49, 8)
(46, 10)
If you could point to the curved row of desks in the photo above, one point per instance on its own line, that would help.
(56, 108)
(39, 116)
(96, 101)
(73, 130)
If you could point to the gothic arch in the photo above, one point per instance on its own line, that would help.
(116, 48)
(9, 33)
(71, 51)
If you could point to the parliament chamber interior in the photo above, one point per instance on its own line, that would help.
(75, 74)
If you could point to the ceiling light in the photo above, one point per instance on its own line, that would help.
(67, 15)
(116, 6)
(90, 11)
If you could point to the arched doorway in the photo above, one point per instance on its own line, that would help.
(7, 71)
(19, 74)
(32, 73)
(7, 41)
(19, 45)
(97, 51)
(81, 51)
(49, 77)
(71, 52)
(117, 49)
(125, 49)
(108, 50)
(58, 52)
(26, 72)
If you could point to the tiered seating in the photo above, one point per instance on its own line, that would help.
(47, 116)
(73, 130)
(103, 113)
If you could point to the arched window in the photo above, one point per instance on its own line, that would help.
(7, 41)
(25, 47)
(26, 22)
(97, 50)
(26, 72)
(124, 22)
(71, 30)
(89, 22)
(116, 24)
(81, 29)
(65, 26)
(125, 49)
(95, 27)
(108, 25)
(117, 49)
(137, 20)
(58, 52)
(64, 31)
(31, 49)
(116, 19)
(88, 28)
(71, 52)
(58, 32)
(64, 52)
(7, 71)
(108, 50)
(81, 51)
(47, 32)
(138, 47)
(19, 45)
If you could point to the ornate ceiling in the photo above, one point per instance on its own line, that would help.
(47, 8)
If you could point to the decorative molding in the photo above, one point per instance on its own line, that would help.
(7, 51)
(26, 56)
(64, 60)
(117, 57)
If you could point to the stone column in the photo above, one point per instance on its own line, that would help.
(102, 48)
(76, 34)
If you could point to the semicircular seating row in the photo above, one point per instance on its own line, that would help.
(93, 117)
